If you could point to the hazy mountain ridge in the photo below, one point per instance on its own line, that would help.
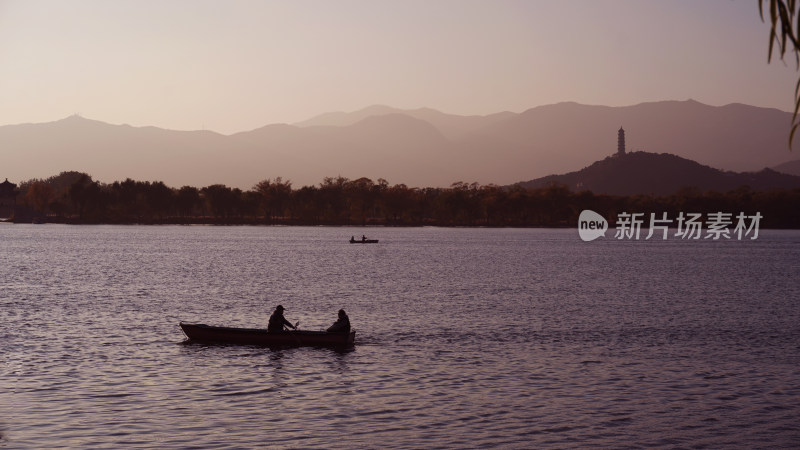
(661, 174)
(450, 125)
(421, 147)
(789, 167)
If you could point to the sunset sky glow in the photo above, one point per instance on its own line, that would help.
(232, 66)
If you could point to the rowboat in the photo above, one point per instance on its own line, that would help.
(364, 241)
(198, 332)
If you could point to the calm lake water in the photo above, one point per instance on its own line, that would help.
(466, 338)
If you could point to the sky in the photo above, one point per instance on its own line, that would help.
(235, 65)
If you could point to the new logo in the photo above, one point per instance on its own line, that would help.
(591, 225)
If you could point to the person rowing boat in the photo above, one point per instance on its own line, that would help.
(277, 321)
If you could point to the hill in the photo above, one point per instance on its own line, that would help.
(789, 167)
(661, 174)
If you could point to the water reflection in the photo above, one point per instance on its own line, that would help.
(275, 350)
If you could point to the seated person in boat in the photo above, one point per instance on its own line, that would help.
(277, 321)
(342, 325)
(363, 238)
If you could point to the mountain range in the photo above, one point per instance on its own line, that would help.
(420, 147)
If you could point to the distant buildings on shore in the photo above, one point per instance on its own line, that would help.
(8, 199)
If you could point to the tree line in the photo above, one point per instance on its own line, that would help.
(74, 197)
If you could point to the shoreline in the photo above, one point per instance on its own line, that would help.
(261, 223)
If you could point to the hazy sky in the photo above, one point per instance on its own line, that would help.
(234, 65)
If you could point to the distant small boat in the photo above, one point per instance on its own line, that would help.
(363, 241)
(199, 332)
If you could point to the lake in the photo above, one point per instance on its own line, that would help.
(466, 338)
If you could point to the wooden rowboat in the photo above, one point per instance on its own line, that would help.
(198, 332)
(364, 241)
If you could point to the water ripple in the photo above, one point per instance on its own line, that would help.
(466, 339)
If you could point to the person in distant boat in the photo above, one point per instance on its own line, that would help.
(277, 321)
(363, 238)
(342, 325)
(352, 238)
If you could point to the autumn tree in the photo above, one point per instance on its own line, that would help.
(40, 195)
